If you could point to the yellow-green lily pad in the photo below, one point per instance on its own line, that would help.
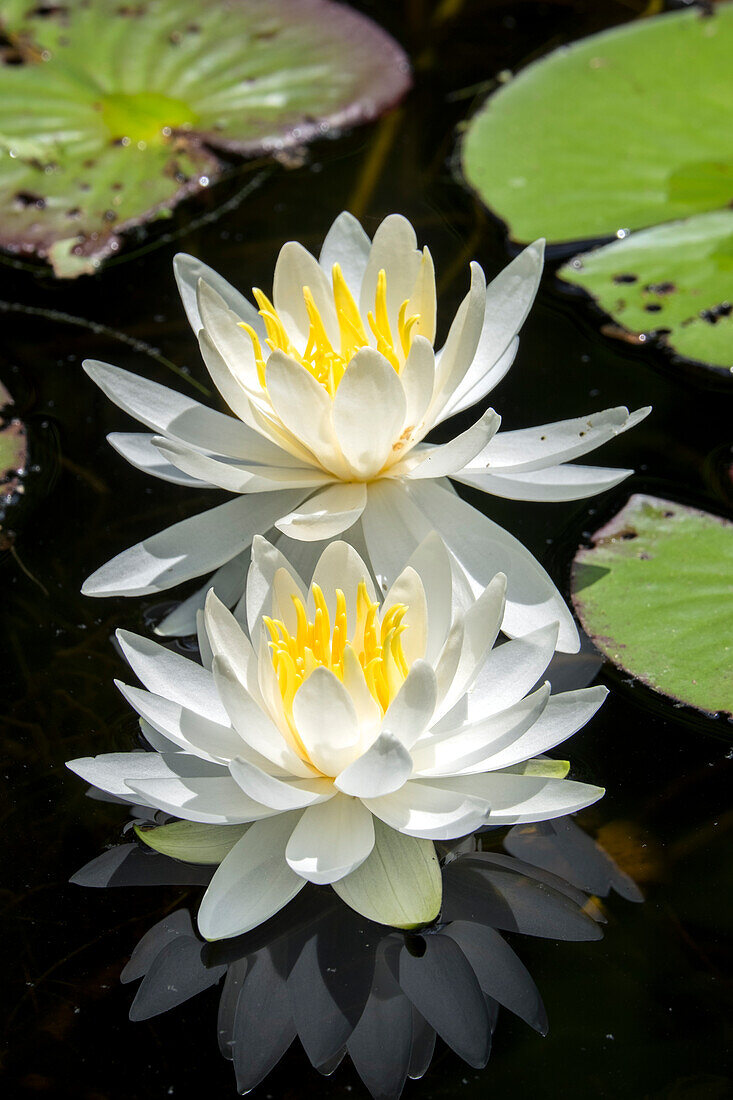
(655, 593)
(619, 131)
(112, 113)
(672, 281)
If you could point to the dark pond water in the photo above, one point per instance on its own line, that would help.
(646, 1012)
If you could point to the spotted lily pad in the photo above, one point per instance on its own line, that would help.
(655, 593)
(13, 460)
(620, 131)
(693, 311)
(110, 113)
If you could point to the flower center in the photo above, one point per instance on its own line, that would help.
(317, 643)
(320, 358)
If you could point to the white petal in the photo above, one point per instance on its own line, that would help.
(368, 712)
(418, 381)
(431, 561)
(267, 561)
(454, 751)
(172, 676)
(509, 672)
(383, 768)
(484, 549)
(331, 840)
(191, 547)
(394, 250)
(408, 590)
(423, 298)
(509, 298)
(279, 793)
(210, 800)
(188, 270)
(227, 582)
(479, 381)
(340, 567)
(304, 407)
(294, 270)
(252, 883)
(236, 477)
(169, 412)
(253, 725)
(228, 337)
(347, 245)
(330, 512)
(227, 639)
(421, 809)
(481, 625)
(552, 483)
(410, 712)
(551, 444)
(325, 719)
(138, 449)
(460, 347)
(450, 458)
(112, 771)
(369, 412)
(190, 731)
(393, 526)
(524, 798)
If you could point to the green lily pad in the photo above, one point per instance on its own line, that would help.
(13, 460)
(675, 281)
(654, 594)
(620, 131)
(110, 113)
(192, 842)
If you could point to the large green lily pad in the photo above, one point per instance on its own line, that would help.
(655, 593)
(13, 460)
(110, 112)
(692, 311)
(620, 131)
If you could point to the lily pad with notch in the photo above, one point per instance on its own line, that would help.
(655, 593)
(111, 113)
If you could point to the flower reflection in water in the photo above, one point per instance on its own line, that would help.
(344, 985)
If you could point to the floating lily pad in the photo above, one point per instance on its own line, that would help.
(13, 460)
(655, 594)
(692, 312)
(620, 131)
(110, 113)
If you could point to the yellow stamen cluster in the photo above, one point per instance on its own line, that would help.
(315, 644)
(320, 357)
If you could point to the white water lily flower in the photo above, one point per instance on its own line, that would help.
(337, 709)
(334, 385)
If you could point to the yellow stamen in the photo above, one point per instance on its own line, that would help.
(319, 357)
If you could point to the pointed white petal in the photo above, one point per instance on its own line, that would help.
(552, 483)
(331, 840)
(304, 407)
(233, 343)
(325, 719)
(408, 590)
(172, 676)
(347, 245)
(253, 725)
(418, 381)
(114, 771)
(137, 448)
(423, 301)
(523, 798)
(227, 582)
(226, 638)
(457, 354)
(421, 809)
(509, 672)
(431, 561)
(210, 800)
(253, 883)
(369, 412)
(394, 250)
(236, 477)
(340, 566)
(478, 382)
(169, 412)
(393, 526)
(191, 547)
(481, 623)
(190, 731)
(279, 793)
(452, 457)
(410, 712)
(330, 512)
(484, 549)
(385, 767)
(368, 712)
(188, 270)
(551, 444)
(267, 561)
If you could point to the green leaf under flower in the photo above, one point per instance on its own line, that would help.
(399, 884)
(191, 841)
